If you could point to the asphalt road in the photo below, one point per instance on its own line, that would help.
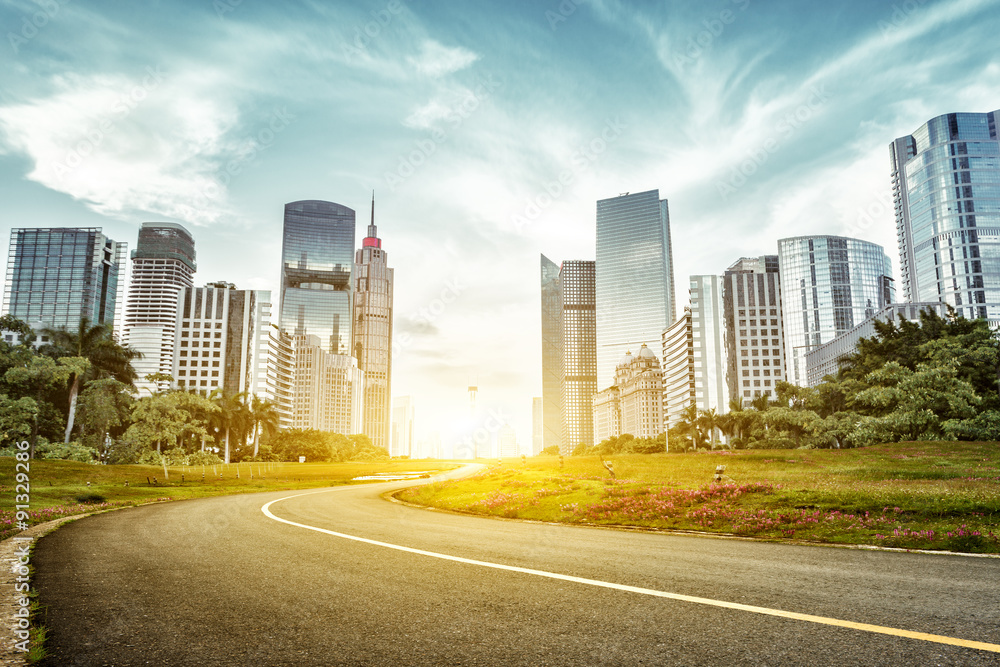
(217, 582)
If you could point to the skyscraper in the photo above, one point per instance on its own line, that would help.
(755, 340)
(828, 285)
(579, 352)
(708, 333)
(317, 259)
(677, 342)
(507, 442)
(635, 275)
(317, 256)
(403, 438)
(373, 281)
(56, 276)
(946, 186)
(163, 263)
(537, 426)
(552, 361)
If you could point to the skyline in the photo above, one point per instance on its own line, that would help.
(487, 107)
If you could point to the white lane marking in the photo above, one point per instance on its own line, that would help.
(822, 620)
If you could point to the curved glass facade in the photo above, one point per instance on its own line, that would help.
(317, 256)
(946, 185)
(828, 285)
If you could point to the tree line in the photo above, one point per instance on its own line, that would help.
(938, 379)
(73, 396)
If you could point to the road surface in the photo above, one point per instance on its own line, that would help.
(221, 581)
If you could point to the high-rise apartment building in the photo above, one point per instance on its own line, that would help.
(163, 263)
(635, 275)
(552, 351)
(946, 187)
(755, 339)
(317, 260)
(57, 276)
(579, 352)
(677, 342)
(372, 332)
(828, 285)
(403, 438)
(708, 335)
(224, 340)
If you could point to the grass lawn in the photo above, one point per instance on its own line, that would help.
(914, 495)
(60, 488)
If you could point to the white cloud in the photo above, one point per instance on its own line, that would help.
(150, 143)
(437, 60)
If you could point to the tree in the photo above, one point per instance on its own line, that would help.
(688, 425)
(162, 419)
(104, 404)
(709, 421)
(551, 450)
(16, 417)
(104, 356)
(232, 417)
(264, 416)
(35, 378)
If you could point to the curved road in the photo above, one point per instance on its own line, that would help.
(218, 581)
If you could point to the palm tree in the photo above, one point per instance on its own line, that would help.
(231, 416)
(264, 416)
(95, 344)
(710, 420)
(689, 424)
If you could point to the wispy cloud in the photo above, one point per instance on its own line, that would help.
(437, 60)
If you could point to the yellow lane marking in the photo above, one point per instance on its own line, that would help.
(822, 620)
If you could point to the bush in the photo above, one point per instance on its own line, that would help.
(91, 499)
(203, 459)
(150, 457)
(73, 451)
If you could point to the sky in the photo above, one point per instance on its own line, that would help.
(487, 130)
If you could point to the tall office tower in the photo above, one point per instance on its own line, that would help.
(163, 263)
(373, 281)
(272, 360)
(708, 333)
(317, 256)
(755, 340)
(552, 354)
(634, 403)
(828, 285)
(56, 276)
(219, 333)
(635, 275)
(537, 426)
(317, 259)
(576, 281)
(946, 186)
(677, 341)
(507, 442)
(403, 439)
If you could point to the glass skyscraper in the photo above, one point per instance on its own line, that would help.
(57, 276)
(552, 363)
(635, 276)
(317, 256)
(163, 263)
(708, 334)
(828, 285)
(946, 186)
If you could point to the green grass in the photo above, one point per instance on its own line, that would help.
(926, 495)
(60, 488)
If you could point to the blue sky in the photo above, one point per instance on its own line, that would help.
(487, 130)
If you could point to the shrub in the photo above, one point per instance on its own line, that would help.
(91, 498)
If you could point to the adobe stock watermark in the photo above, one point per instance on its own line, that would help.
(430, 312)
(712, 28)
(901, 13)
(223, 7)
(563, 11)
(31, 25)
(478, 443)
(409, 163)
(785, 128)
(581, 160)
(262, 140)
(370, 30)
(122, 107)
(22, 552)
(880, 204)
